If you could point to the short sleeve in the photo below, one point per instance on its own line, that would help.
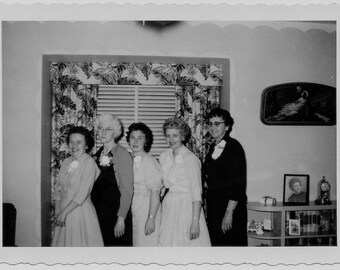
(193, 169)
(88, 175)
(152, 174)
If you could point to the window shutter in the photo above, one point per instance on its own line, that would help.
(155, 104)
(139, 103)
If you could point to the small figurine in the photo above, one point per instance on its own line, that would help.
(324, 193)
(255, 227)
(259, 229)
(251, 226)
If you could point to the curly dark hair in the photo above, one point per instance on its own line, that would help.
(225, 115)
(89, 141)
(143, 128)
(180, 124)
(293, 181)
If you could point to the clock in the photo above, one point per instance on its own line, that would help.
(324, 187)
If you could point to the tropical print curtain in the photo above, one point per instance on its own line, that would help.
(75, 87)
(195, 102)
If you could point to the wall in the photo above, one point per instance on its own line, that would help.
(261, 54)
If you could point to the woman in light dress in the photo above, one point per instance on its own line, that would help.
(76, 223)
(182, 222)
(147, 184)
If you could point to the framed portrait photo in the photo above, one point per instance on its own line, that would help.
(296, 189)
(294, 227)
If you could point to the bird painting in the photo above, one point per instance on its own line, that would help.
(299, 103)
(296, 110)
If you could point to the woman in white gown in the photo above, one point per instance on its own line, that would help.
(147, 184)
(75, 216)
(182, 222)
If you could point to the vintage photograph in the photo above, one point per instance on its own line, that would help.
(296, 189)
(294, 227)
(97, 110)
(146, 137)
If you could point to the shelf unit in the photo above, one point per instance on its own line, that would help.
(278, 235)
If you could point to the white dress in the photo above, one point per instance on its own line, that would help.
(75, 183)
(182, 175)
(147, 178)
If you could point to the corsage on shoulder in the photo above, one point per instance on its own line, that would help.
(74, 164)
(105, 161)
(218, 149)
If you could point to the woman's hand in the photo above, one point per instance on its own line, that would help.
(194, 230)
(227, 221)
(149, 226)
(60, 219)
(119, 227)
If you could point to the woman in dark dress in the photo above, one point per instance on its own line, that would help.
(112, 192)
(225, 174)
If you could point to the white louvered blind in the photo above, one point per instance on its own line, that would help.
(139, 103)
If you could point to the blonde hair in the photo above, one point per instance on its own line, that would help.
(180, 124)
(114, 122)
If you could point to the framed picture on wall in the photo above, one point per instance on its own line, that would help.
(298, 103)
(296, 189)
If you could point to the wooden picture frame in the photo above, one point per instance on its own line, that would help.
(296, 189)
(298, 103)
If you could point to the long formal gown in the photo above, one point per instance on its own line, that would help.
(226, 177)
(106, 199)
(182, 176)
(147, 178)
(75, 183)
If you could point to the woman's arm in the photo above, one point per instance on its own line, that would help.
(87, 175)
(228, 216)
(237, 180)
(56, 194)
(195, 228)
(237, 171)
(153, 208)
(153, 183)
(61, 217)
(125, 178)
(57, 207)
(193, 169)
(58, 188)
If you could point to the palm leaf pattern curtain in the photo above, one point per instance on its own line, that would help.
(75, 87)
